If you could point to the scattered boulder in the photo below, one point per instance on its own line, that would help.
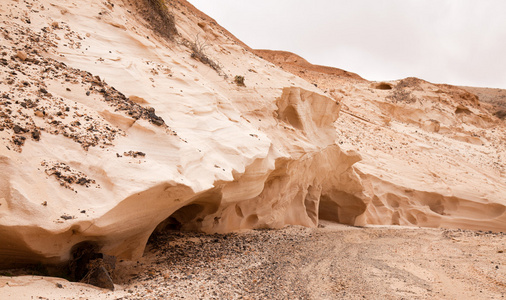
(98, 275)
(89, 266)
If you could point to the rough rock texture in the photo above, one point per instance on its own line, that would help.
(495, 99)
(433, 155)
(101, 87)
(109, 131)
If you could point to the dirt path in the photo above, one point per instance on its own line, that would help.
(330, 262)
(334, 262)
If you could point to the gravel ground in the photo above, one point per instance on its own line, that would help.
(330, 262)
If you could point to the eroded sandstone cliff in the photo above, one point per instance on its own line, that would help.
(433, 154)
(111, 131)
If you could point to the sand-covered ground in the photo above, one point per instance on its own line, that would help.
(330, 262)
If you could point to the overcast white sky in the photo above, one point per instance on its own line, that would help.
(461, 42)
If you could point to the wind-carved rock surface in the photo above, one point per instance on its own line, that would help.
(433, 154)
(185, 147)
(110, 132)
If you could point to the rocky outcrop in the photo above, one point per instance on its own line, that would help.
(433, 155)
(110, 132)
(165, 144)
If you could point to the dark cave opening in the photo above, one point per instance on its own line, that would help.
(340, 207)
(189, 217)
(183, 219)
(383, 86)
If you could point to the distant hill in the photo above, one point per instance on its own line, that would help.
(495, 97)
(298, 65)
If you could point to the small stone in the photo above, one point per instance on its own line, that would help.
(19, 140)
(17, 129)
(82, 181)
(101, 278)
(36, 135)
(158, 121)
(22, 55)
(88, 93)
(55, 25)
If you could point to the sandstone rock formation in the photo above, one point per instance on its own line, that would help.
(110, 131)
(433, 155)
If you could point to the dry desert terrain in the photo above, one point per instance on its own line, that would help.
(146, 150)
